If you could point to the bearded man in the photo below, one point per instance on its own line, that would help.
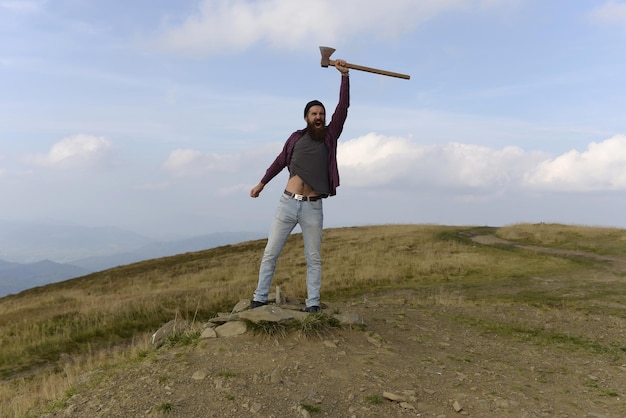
(310, 155)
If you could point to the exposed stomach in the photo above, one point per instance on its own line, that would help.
(298, 186)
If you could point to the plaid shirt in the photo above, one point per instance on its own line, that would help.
(333, 131)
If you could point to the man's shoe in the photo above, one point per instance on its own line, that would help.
(312, 309)
(256, 304)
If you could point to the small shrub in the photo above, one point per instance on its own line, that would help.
(269, 328)
(164, 407)
(310, 408)
(316, 325)
(374, 399)
(183, 338)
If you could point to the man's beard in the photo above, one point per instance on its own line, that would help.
(318, 134)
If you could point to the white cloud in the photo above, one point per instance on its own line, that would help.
(375, 160)
(610, 12)
(484, 167)
(192, 163)
(602, 167)
(233, 25)
(77, 151)
(24, 6)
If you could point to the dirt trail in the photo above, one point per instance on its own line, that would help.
(619, 262)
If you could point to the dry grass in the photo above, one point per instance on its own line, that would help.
(105, 318)
(606, 241)
(56, 381)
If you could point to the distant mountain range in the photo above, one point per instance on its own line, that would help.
(15, 277)
(29, 242)
(165, 248)
(36, 254)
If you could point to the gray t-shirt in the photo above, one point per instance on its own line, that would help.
(310, 162)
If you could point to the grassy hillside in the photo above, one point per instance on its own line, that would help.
(52, 334)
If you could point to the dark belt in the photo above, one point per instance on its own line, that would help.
(305, 198)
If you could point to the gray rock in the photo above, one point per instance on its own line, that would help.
(434, 369)
(303, 412)
(208, 333)
(255, 408)
(457, 406)
(271, 313)
(199, 375)
(375, 339)
(276, 376)
(171, 328)
(227, 324)
(230, 329)
(222, 318)
(394, 397)
(293, 306)
(406, 405)
(241, 306)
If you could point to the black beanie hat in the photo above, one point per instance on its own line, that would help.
(311, 104)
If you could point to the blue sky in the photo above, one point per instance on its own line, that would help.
(159, 116)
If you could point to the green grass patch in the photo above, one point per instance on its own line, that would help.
(597, 240)
(310, 408)
(317, 325)
(268, 328)
(374, 399)
(183, 337)
(543, 336)
(163, 407)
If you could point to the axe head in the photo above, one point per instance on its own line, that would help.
(326, 53)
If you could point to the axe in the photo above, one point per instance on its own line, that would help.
(326, 61)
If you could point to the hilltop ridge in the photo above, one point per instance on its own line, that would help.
(454, 325)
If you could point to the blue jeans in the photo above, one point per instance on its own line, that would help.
(310, 217)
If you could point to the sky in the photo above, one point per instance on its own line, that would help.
(159, 116)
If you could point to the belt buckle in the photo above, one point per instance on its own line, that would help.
(299, 196)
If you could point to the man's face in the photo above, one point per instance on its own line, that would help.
(316, 122)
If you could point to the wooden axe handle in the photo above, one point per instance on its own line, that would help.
(372, 70)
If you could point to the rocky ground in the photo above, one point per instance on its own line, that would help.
(431, 358)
